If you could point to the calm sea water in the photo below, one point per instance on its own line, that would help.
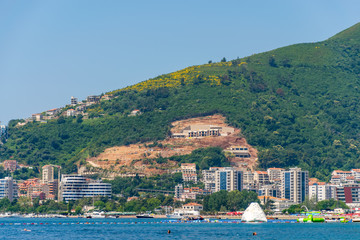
(153, 229)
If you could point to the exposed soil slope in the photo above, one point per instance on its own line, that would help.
(137, 158)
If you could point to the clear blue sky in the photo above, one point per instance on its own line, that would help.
(52, 50)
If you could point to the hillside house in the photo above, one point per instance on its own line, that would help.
(199, 130)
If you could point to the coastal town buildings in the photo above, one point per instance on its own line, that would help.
(10, 165)
(295, 184)
(73, 101)
(8, 188)
(275, 174)
(2, 130)
(228, 179)
(74, 187)
(239, 151)
(188, 171)
(199, 130)
(261, 178)
(192, 207)
(320, 191)
(47, 174)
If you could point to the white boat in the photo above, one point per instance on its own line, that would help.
(95, 215)
(179, 214)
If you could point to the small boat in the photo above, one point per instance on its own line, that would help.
(95, 215)
(144, 215)
(356, 220)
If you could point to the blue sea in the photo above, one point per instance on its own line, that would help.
(13, 228)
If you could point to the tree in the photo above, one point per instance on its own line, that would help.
(223, 59)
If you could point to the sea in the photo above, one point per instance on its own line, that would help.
(70, 228)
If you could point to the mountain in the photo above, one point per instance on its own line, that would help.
(298, 105)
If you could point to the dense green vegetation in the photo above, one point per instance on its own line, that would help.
(330, 204)
(127, 186)
(298, 105)
(229, 201)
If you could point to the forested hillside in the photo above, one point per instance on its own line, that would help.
(298, 105)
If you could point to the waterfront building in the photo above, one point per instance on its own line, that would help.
(279, 204)
(295, 184)
(228, 179)
(74, 187)
(47, 174)
(192, 207)
(321, 191)
(8, 188)
(10, 165)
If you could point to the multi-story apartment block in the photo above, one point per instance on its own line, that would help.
(47, 174)
(74, 187)
(341, 174)
(228, 179)
(8, 188)
(93, 99)
(240, 151)
(321, 191)
(73, 101)
(188, 171)
(196, 131)
(269, 190)
(179, 190)
(356, 174)
(209, 178)
(275, 174)
(10, 165)
(261, 178)
(348, 193)
(295, 184)
(248, 181)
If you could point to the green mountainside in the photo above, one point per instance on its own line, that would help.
(298, 105)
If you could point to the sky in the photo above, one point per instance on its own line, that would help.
(52, 50)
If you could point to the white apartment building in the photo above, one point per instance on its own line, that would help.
(74, 187)
(321, 191)
(188, 171)
(228, 179)
(295, 184)
(261, 178)
(73, 101)
(341, 174)
(179, 190)
(275, 174)
(8, 188)
(208, 177)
